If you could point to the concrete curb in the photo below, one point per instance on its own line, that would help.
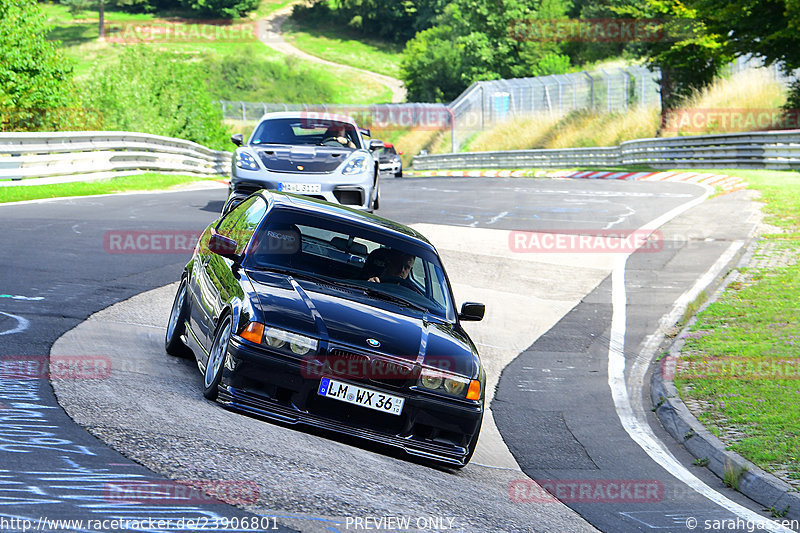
(758, 485)
(724, 181)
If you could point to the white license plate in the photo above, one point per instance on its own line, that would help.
(301, 188)
(372, 399)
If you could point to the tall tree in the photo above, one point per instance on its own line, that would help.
(35, 78)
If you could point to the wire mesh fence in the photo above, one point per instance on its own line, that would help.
(485, 104)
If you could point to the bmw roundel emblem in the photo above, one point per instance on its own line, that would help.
(374, 343)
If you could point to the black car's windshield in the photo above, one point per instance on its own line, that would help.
(307, 131)
(382, 265)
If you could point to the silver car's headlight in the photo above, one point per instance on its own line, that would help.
(357, 165)
(246, 161)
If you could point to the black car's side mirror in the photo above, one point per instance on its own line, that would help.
(375, 144)
(223, 246)
(471, 311)
(237, 139)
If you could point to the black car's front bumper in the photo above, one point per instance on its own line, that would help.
(274, 386)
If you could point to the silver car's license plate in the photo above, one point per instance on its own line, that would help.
(372, 399)
(301, 188)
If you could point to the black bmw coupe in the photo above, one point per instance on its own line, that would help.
(305, 312)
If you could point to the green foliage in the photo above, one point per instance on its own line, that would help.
(474, 40)
(36, 91)
(767, 28)
(688, 53)
(221, 8)
(432, 66)
(248, 77)
(393, 21)
(159, 93)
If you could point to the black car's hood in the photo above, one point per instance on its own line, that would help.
(346, 318)
(287, 158)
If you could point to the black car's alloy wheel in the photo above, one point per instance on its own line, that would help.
(216, 359)
(176, 327)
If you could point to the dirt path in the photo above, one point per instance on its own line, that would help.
(269, 33)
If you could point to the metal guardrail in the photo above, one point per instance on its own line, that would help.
(777, 150)
(35, 155)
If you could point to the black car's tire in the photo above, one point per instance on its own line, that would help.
(399, 173)
(176, 327)
(216, 359)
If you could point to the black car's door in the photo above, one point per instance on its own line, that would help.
(216, 280)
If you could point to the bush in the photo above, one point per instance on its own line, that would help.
(36, 91)
(159, 93)
(221, 8)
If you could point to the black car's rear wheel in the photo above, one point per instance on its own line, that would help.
(216, 359)
(176, 327)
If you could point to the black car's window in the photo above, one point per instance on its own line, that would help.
(384, 265)
(305, 130)
(240, 223)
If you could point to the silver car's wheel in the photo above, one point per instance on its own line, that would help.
(216, 359)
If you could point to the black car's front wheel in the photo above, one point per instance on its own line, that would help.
(216, 359)
(176, 327)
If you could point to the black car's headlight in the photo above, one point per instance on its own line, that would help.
(357, 165)
(279, 339)
(451, 384)
(246, 161)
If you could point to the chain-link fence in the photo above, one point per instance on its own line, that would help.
(487, 103)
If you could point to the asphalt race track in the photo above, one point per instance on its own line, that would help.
(551, 341)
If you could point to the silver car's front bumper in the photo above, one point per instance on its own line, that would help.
(354, 191)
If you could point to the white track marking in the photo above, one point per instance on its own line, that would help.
(22, 324)
(637, 426)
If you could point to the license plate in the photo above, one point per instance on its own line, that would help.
(372, 399)
(301, 188)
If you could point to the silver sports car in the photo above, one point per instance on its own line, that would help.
(320, 155)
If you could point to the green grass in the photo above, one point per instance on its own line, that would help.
(340, 45)
(290, 81)
(139, 182)
(743, 353)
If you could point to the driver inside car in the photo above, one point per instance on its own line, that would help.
(398, 267)
(337, 133)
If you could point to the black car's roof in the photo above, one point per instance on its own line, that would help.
(343, 213)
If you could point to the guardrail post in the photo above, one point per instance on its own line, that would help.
(244, 113)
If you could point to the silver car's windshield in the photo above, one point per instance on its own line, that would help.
(307, 131)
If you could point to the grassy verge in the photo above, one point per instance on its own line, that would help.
(139, 182)
(283, 78)
(726, 106)
(341, 46)
(742, 357)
